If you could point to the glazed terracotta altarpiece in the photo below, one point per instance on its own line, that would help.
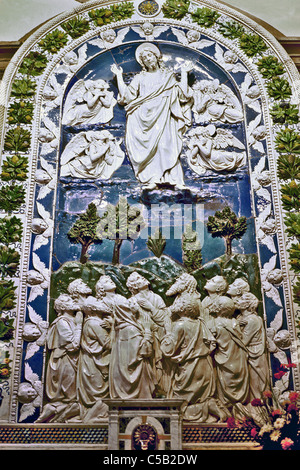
(149, 231)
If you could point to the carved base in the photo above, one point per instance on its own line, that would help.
(96, 437)
(153, 424)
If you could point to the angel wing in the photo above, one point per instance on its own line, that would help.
(158, 30)
(34, 346)
(50, 144)
(180, 36)
(270, 290)
(253, 141)
(224, 138)
(43, 238)
(120, 36)
(229, 66)
(49, 170)
(250, 93)
(33, 316)
(75, 95)
(97, 42)
(263, 237)
(82, 54)
(53, 93)
(257, 187)
(40, 267)
(28, 409)
(201, 44)
(219, 56)
(74, 148)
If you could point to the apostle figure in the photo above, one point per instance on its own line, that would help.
(153, 308)
(63, 341)
(189, 347)
(130, 370)
(254, 338)
(158, 111)
(79, 291)
(216, 288)
(94, 358)
(230, 357)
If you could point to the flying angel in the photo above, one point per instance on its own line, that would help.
(30, 393)
(109, 38)
(52, 93)
(206, 150)
(250, 93)
(48, 137)
(38, 278)
(45, 227)
(256, 133)
(92, 155)
(191, 38)
(40, 328)
(228, 60)
(148, 31)
(89, 102)
(72, 61)
(45, 177)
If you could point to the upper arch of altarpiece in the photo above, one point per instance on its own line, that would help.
(237, 148)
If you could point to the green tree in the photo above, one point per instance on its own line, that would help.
(191, 249)
(157, 243)
(120, 222)
(227, 225)
(84, 231)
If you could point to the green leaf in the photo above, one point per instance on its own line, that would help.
(76, 27)
(232, 30)
(11, 197)
(288, 167)
(54, 41)
(279, 89)
(11, 229)
(288, 140)
(292, 222)
(270, 67)
(176, 9)
(33, 64)
(290, 196)
(9, 261)
(15, 168)
(7, 295)
(23, 88)
(20, 112)
(205, 17)
(252, 44)
(17, 140)
(285, 113)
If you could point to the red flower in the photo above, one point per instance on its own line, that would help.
(294, 396)
(253, 433)
(292, 407)
(287, 443)
(276, 413)
(257, 402)
(290, 364)
(267, 394)
(278, 375)
(231, 423)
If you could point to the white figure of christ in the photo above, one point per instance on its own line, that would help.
(158, 109)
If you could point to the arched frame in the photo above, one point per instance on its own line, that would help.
(273, 235)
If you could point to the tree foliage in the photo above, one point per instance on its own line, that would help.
(227, 225)
(84, 231)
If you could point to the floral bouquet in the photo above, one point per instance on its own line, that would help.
(274, 426)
